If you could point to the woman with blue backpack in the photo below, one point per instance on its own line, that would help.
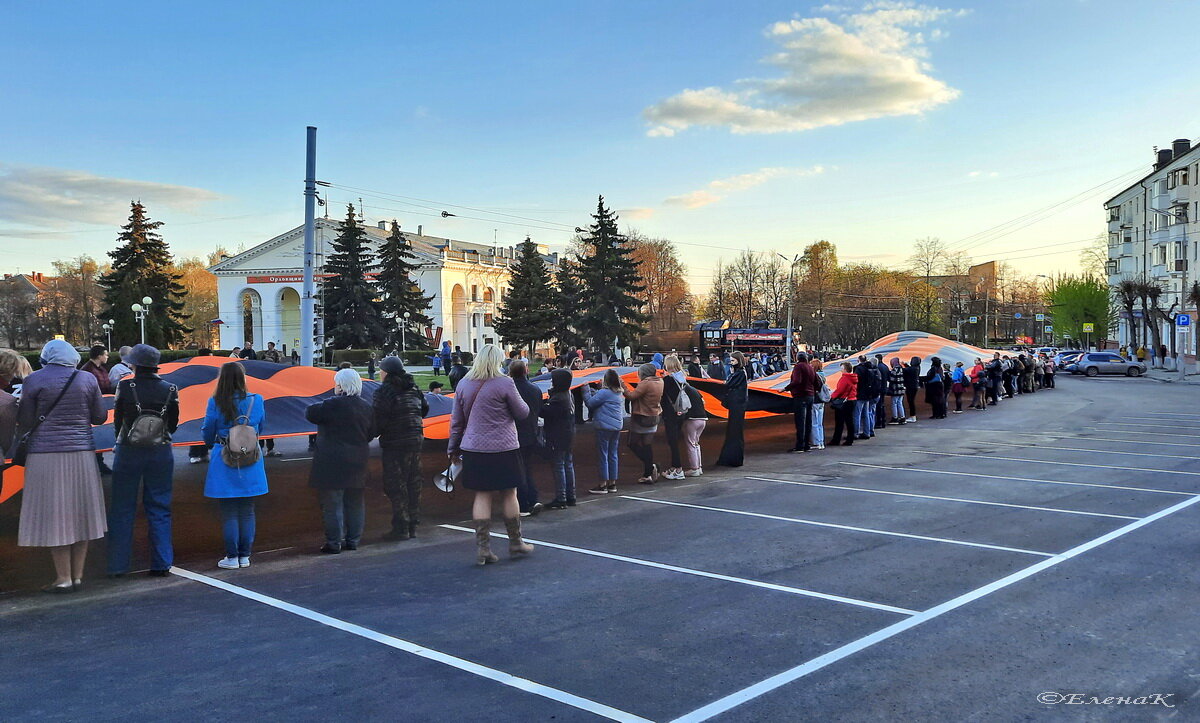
(960, 381)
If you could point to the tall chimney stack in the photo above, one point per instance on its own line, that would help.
(1180, 146)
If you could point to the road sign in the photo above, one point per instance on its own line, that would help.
(1088, 327)
(1183, 320)
(1017, 315)
(1039, 317)
(974, 319)
(1047, 328)
(1066, 335)
(954, 332)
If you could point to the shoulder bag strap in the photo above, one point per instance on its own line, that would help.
(170, 393)
(249, 409)
(137, 404)
(54, 404)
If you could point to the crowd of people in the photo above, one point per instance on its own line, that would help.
(501, 425)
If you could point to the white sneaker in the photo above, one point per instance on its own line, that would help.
(912, 420)
(195, 460)
(243, 562)
(229, 563)
(819, 446)
(677, 474)
(693, 472)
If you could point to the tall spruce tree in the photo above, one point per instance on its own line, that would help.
(352, 313)
(401, 294)
(142, 266)
(610, 283)
(568, 301)
(527, 314)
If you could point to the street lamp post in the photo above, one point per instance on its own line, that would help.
(403, 334)
(818, 316)
(140, 311)
(791, 302)
(108, 332)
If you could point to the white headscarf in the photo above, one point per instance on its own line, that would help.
(60, 353)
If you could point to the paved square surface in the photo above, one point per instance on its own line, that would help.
(951, 570)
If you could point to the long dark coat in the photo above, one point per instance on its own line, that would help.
(345, 428)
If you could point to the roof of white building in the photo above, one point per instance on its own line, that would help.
(1156, 169)
(429, 250)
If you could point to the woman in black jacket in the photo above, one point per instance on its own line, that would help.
(345, 428)
(935, 388)
(912, 382)
(399, 410)
(559, 412)
(142, 463)
(736, 395)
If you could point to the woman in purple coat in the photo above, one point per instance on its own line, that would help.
(63, 503)
(483, 430)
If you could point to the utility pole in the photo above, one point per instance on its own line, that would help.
(307, 302)
(791, 304)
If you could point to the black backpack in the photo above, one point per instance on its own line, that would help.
(149, 429)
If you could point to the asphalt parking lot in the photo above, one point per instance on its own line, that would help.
(951, 570)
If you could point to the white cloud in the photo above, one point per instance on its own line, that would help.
(718, 189)
(635, 213)
(54, 197)
(983, 174)
(863, 65)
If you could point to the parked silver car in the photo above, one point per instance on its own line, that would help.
(1102, 362)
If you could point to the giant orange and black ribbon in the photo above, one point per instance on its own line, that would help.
(288, 390)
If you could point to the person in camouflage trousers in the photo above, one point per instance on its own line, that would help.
(400, 410)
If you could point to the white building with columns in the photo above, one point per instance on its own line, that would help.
(1153, 230)
(259, 289)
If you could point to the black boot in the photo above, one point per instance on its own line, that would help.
(412, 530)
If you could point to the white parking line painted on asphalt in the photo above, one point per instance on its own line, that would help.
(918, 470)
(710, 575)
(482, 671)
(946, 499)
(1163, 419)
(1171, 414)
(789, 676)
(1065, 464)
(1094, 451)
(835, 526)
(1152, 434)
(1131, 441)
(1139, 424)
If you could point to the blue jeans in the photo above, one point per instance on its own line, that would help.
(608, 444)
(563, 462)
(818, 424)
(344, 513)
(152, 469)
(898, 407)
(866, 417)
(237, 525)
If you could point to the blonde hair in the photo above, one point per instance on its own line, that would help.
(488, 364)
(348, 382)
(672, 364)
(10, 365)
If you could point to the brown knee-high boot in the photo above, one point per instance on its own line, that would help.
(516, 546)
(483, 542)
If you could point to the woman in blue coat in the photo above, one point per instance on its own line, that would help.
(234, 487)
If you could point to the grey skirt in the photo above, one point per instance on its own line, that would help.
(63, 501)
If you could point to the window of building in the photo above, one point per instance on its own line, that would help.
(474, 292)
(1160, 255)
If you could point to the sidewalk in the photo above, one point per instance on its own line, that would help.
(1172, 377)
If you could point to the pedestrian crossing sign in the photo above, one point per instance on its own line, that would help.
(1089, 327)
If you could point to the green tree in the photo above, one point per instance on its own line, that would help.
(142, 266)
(568, 300)
(611, 284)
(528, 312)
(401, 294)
(1076, 300)
(352, 314)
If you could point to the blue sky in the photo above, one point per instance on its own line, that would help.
(762, 125)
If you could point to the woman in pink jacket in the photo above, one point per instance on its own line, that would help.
(483, 431)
